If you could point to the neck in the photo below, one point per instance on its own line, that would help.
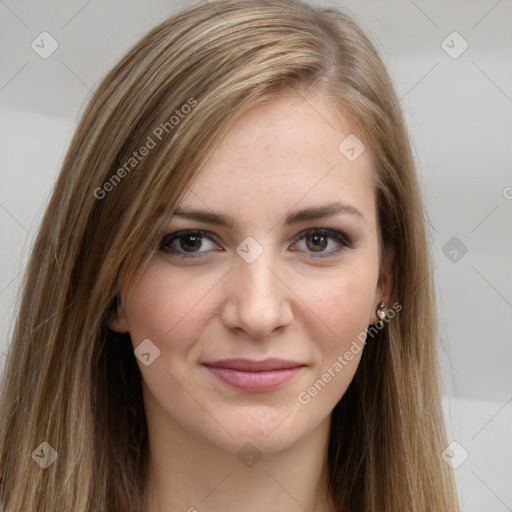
(187, 473)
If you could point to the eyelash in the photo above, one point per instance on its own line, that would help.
(341, 238)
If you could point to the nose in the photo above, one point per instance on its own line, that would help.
(257, 299)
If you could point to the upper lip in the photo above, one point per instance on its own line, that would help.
(250, 365)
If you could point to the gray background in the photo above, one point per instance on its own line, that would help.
(459, 112)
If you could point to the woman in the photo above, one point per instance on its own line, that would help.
(229, 305)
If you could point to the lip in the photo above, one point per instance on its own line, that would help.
(251, 375)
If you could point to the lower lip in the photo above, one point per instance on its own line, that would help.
(255, 381)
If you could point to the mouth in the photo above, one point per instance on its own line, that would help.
(250, 375)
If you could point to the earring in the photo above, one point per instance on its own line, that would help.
(381, 314)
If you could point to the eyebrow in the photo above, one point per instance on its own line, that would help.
(293, 217)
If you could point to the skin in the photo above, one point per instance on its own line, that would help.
(290, 303)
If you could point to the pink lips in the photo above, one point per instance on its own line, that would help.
(249, 375)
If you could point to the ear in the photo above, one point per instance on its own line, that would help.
(119, 321)
(384, 283)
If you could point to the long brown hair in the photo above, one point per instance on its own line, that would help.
(72, 383)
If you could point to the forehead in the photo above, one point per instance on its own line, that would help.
(283, 153)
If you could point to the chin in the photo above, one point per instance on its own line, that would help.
(270, 430)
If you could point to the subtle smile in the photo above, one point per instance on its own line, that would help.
(250, 375)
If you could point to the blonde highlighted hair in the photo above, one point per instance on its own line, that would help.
(71, 382)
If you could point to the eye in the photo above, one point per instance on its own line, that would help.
(187, 244)
(317, 240)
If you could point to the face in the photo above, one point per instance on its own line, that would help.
(265, 284)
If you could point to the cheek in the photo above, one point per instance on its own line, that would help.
(165, 308)
(342, 306)
(342, 302)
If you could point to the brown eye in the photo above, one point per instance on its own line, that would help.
(190, 243)
(317, 240)
(185, 243)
